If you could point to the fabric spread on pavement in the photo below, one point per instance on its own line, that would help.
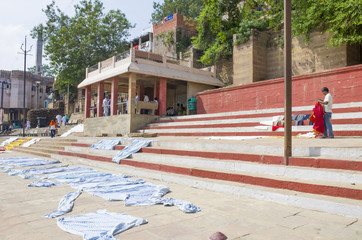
(99, 225)
(8, 141)
(43, 184)
(111, 187)
(30, 142)
(65, 205)
(106, 144)
(76, 129)
(26, 162)
(134, 147)
(35, 170)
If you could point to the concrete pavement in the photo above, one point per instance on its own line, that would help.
(22, 209)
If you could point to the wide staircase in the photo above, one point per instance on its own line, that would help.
(322, 175)
(347, 121)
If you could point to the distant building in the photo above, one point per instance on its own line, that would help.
(173, 35)
(38, 89)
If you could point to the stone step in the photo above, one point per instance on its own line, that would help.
(337, 108)
(334, 205)
(338, 118)
(32, 152)
(268, 129)
(310, 162)
(347, 190)
(271, 166)
(43, 149)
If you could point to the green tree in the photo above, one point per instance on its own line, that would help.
(341, 19)
(72, 43)
(46, 71)
(219, 21)
(188, 8)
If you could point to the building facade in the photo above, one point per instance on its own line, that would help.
(37, 91)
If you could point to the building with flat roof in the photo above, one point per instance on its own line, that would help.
(37, 90)
(139, 73)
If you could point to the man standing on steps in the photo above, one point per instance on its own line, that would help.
(328, 104)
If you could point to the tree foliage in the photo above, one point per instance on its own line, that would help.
(188, 8)
(219, 21)
(46, 70)
(72, 43)
(342, 19)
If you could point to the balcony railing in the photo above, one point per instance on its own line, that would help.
(133, 54)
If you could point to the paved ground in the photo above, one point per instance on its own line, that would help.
(21, 210)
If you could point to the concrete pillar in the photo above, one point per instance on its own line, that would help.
(114, 97)
(88, 97)
(162, 96)
(100, 93)
(156, 89)
(141, 92)
(132, 81)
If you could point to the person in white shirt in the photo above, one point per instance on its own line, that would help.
(59, 119)
(328, 104)
(105, 106)
(146, 98)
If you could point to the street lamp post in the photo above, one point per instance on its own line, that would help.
(37, 94)
(25, 52)
(2, 100)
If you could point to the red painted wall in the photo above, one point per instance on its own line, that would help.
(345, 85)
(171, 25)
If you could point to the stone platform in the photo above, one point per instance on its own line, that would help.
(238, 217)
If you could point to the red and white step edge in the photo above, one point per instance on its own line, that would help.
(333, 205)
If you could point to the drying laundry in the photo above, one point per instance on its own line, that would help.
(134, 147)
(106, 144)
(27, 162)
(43, 184)
(65, 205)
(8, 141)
(156, 197)
(76, 129)
(69, 176)
(30, 142)
(36, 170)
(99, 225)
(317, 118)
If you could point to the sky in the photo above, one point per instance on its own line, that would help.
(18, 17)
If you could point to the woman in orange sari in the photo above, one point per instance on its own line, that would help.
(52, 128)
(317, 118)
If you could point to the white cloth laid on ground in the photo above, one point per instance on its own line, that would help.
(156, 197)
(273, 122)
(99, 225)
(106, 144)
(307, 135)
(27, 162)
(69, 176)
(30, 142)
(111, 187)
(65, 205)
(77, 129)
(8, 141)
(43, 184)
(33, 170)
(134, 147)
(233, 137)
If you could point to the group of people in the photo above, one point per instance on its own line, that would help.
(179, 111)
(62, 120)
